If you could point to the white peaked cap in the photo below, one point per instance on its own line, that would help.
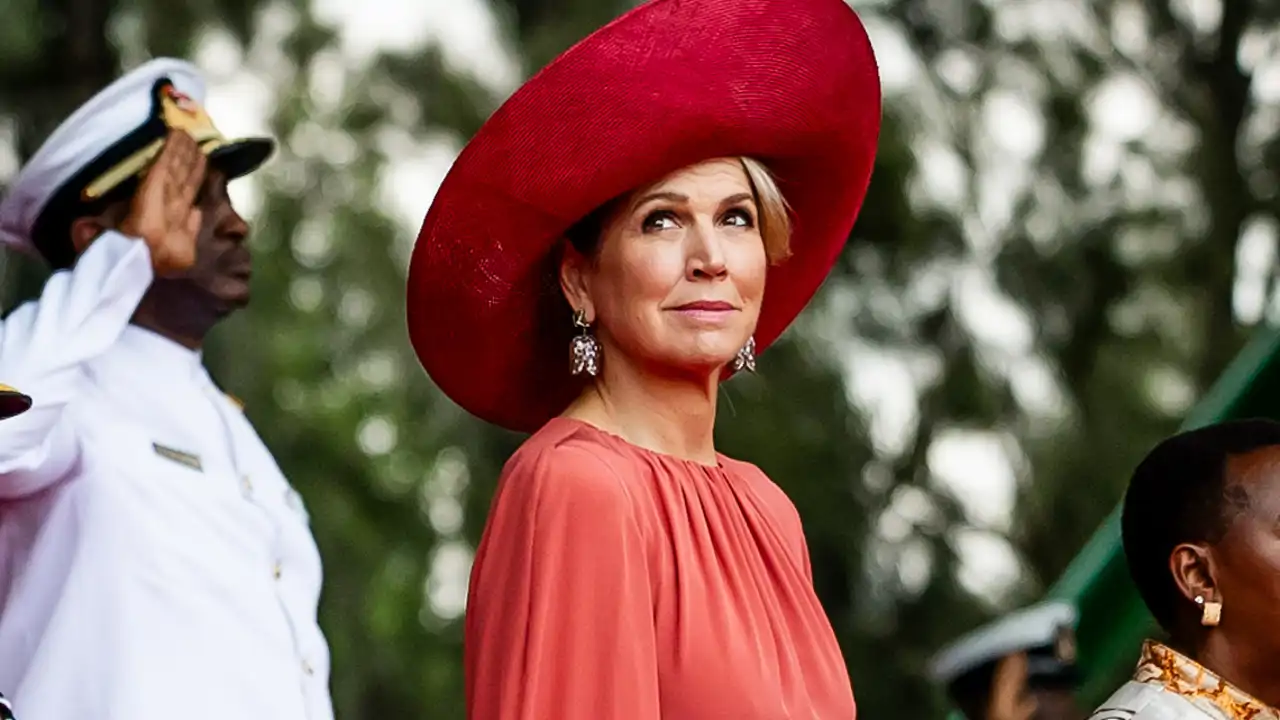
(98, 126)
(1034, 627)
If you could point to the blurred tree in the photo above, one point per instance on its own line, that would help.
(1108, 167)
(1046, 265)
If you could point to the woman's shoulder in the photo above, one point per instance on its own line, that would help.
(1145, 701)
(565, 460)
(744, 469)
(771, 498)
(565, 442)
(758, 480)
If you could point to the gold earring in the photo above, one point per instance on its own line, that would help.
(1211, 614)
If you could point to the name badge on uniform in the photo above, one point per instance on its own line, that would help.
(182, 458)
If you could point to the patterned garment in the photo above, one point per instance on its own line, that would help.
(1171, 686)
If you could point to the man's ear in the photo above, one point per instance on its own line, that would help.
(574, 270)
(84, 230)
(1193, 572)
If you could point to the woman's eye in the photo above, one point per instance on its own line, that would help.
(658, 221)
(739, 218)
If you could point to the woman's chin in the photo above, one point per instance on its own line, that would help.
(700, 364)
(704, 354)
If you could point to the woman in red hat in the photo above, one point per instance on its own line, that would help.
(654, 207)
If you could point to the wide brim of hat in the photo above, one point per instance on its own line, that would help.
(12, 402)
(241, 157)
(791, 83)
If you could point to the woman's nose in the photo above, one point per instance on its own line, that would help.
(706, 256)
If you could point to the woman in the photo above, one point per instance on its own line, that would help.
(626, 208)
(1199, 530)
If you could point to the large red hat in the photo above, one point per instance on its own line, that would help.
(791, 83)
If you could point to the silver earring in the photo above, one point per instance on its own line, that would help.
(746, 357)
(584, 349)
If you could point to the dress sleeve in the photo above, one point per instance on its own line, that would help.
(560, 614)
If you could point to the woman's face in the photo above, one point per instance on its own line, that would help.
(678, 276)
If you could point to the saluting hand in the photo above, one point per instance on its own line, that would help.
(162, 213)
(1009, 699)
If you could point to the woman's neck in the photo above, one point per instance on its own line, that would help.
(666, 414)
(1247, 670)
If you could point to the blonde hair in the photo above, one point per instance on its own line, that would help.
(775, 214)
(774, 221)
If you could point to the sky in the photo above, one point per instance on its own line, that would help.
(980, 468)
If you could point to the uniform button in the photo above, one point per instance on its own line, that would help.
(306, 668)
(246, 484)
(277, 570)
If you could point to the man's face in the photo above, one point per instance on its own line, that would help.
(1009, 692)
(220, 277)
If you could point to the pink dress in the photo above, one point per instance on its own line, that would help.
(616, 583)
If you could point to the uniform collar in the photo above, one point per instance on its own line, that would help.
(160, 348)
(141, 353)
(1178, 674)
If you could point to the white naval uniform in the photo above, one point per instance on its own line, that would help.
(154, 562)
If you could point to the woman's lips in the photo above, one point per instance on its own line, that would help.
(706, 311)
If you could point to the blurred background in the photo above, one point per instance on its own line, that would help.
(1070, 232)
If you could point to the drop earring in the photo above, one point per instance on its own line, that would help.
(584, 349)
(746, 357)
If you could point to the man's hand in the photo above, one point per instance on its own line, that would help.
(162, 213)
(1009, 699)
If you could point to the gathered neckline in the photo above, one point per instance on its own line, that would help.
(667, 457)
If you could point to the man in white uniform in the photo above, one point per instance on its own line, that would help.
(154, 562)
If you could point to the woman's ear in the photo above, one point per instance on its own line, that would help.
(574, 270)
(1193, 572)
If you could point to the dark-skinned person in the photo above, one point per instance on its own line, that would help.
(1201, 533)
(1019, 667)
(155, 563)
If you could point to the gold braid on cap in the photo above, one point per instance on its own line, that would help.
(178, 112)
